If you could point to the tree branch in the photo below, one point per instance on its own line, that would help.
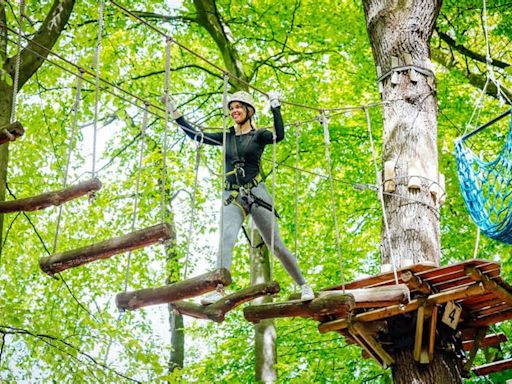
(46, 36)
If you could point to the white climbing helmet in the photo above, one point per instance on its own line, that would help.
(242, 97)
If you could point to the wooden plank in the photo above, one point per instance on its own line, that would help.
(387, 278)
(105, 249)
(384, 357)
(491, 310)
(432, 333)
(384, 313)
(488, 341)
(492, 301)
(491, 319)
(490, 285)
(480, 334)
(415, 283)
(11, 132)
(181, 290)
(457, 271)
(335, 304)
(50, 198)
(478, 299)
(217, 311)
(497, 366)
(418, 338)
(444, 285)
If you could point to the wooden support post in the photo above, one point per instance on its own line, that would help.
(218, 310)
(497, 366)
(489, 284)
(418, 338)
(11, 132)
(105, 249)
(432, 334)
(335, 303)
(181, 290)
(488, 341)
(358, 330)
(415, 283)
(383, 313)
(51, 198)
(480, 334)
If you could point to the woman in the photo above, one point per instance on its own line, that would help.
(244, 193)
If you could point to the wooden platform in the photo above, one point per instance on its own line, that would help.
(474, 285)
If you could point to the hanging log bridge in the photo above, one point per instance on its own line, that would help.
(11, 132)
(466, 297)
(51, 198)
(142, 238)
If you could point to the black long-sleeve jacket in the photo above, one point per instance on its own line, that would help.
(247, 148)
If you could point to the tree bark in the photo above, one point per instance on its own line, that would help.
(400, 32)
(265, 331)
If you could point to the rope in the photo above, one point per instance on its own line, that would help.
(137, 189)
(325, 124)
(96, 61)
(477, 242)
(224, 128)
(166, 127)
(193, 203)
(381, 196)
(17, 63)
(297, 179)
(76, 107)
(273, 225)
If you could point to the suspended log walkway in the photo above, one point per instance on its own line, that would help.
(181, 290)
(11, 132)
(48, 199)
(105, 249)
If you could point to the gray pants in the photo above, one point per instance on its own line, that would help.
(233, 220)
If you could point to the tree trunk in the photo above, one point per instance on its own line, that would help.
(265, 330)
(399, 32)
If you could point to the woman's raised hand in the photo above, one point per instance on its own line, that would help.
(171, 106)
(273, 98)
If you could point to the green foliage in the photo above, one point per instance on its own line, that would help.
(315, 53)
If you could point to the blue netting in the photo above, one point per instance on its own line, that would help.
(487, 189)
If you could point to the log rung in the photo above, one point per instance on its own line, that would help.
(181, 290)
(105, 249)
(50, 198)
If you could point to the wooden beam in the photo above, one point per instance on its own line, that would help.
(335, 304)
(488, 341)
(105, 249)
(218, 310)
(383, 313)
(181, 290)
(11, 132)
(489, 284)
(494, 367)
(432, 333)
(371, 297)
(415, 283)
(371, 345)
(480, 334)
(418, 338)
(490, 320)
(51, 198)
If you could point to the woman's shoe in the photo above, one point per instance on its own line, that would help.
(307, 293)
(211, 298)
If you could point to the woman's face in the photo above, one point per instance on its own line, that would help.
(238, 112)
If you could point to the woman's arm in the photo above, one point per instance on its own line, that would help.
(266, 136)
(215, 138)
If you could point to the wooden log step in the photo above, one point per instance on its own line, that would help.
(51, 198)
(332, 303)
(11, 132)
(105, 249)
(374, 297)
(218, 310)
(497, 366)
(488, 341)
(181, 290)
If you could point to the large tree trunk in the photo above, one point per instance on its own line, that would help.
(265, 330)
(398, 29)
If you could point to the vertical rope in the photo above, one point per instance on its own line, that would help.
(75, 108)
(96, 60)
(224, 128)
(380, 194)
(477, 242)
(137, 186)
(325, 124)
(273, 225)
(193, 203)
(166, 127)
(297, 179)
(17, 63)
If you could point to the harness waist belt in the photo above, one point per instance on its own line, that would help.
(235, 187)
